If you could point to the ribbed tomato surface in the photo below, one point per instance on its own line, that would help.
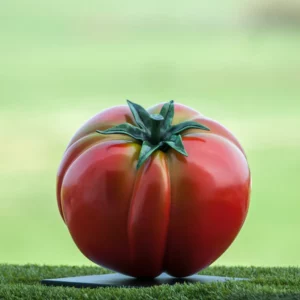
(174, 214)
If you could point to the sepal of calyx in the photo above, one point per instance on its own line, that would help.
(154, 131)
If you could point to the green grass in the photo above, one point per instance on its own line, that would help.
(22, 282)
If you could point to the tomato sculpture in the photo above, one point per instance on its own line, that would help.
(149, 191)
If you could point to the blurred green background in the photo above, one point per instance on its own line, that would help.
(63, 61)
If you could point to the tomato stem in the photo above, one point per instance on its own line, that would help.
(157, 121)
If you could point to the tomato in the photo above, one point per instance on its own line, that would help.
(149, 191)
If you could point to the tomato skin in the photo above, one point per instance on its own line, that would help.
(175, 214)
(210, 198)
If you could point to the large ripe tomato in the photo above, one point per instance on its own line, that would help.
(167, 190)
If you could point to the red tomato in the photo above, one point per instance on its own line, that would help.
(175, 213)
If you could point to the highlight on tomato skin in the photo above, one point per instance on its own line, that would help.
(143, 192)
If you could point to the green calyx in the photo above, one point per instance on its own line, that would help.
(155, 131)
